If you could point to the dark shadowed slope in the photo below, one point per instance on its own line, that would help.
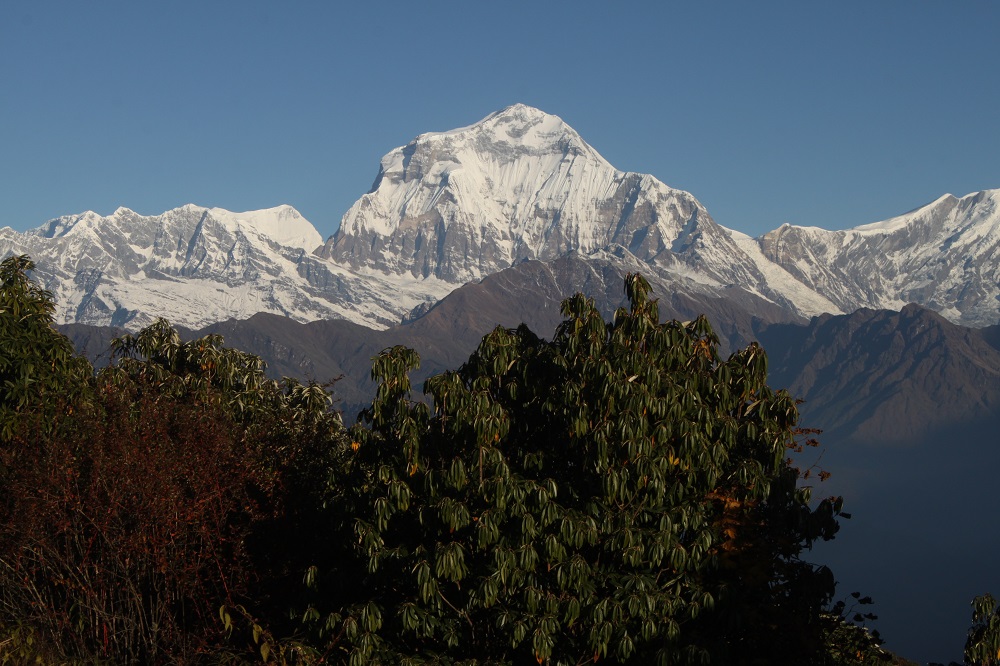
(910, 404)
(878, 375)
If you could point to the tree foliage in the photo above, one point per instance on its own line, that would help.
(137, 501)
(982, 647)
(38, 366)
(848, 641)
(620, 493)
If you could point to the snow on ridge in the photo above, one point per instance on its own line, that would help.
(955, 222)
(498, 172)
(941, 255)
(808, 301)
(518, 126)
(902, 221)
(64, 224)
(511, 114)
(283, 224)
(456, 206)
(896, 222)
(522, 184)
(123, 269)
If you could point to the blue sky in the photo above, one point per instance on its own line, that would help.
(826, 114)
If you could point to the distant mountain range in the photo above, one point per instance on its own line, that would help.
(495, 223)
(455, 207)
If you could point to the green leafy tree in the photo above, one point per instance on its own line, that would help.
(982, 647)
(848, 640)
(619, 493)
(38, 366)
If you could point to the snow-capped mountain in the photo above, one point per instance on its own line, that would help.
(944, 256)
(522, 184)
(457, 206)
(196, 266)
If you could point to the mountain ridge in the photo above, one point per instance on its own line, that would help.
(454, 207)
(450, 208)
(944, 255)
(196, 265)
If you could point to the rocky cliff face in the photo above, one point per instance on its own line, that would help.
(520, 184)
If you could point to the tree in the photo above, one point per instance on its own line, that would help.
(982, 647)
(138, 501)
(619, 493)
(38, 365)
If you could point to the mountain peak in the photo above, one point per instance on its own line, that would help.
(517, 114)
(514, 132)
(518, 120)
(941, 255)
(282, 224)
(519, 184)
(519, 109)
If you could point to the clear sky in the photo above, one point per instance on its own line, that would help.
(830, 114)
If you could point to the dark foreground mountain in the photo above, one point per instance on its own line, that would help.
(884, 376)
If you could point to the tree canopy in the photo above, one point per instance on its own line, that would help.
(38, 366)
(982, 647)
(618, 493)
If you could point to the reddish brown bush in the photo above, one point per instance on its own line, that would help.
(124, 530)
